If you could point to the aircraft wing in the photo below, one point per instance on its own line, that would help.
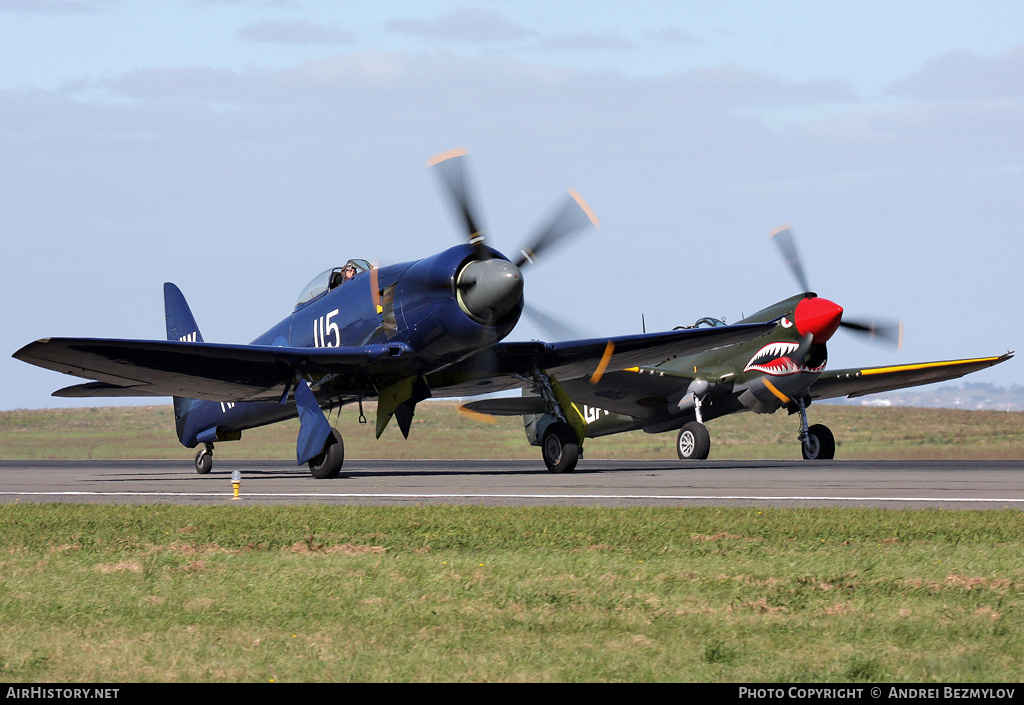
(640, 395)
(856, 382)
(496, 368)
(222, 372)
(199, 370)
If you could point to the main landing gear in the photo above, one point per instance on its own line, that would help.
(560, 430)
(324, 466)
(327, 465)
(694, 440)
(817, 441)
(560, 448)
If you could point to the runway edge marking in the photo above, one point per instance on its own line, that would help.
(405, 495)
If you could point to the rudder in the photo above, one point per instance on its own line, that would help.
(181, 324)
(182, 327)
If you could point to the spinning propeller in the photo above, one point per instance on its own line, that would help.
(489, 287)
(821, 317)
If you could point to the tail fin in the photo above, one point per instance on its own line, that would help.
(181, 326)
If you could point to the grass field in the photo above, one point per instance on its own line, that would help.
(163, 593)
(94, 593)
(439, 431)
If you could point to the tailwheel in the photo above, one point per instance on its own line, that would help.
(327, 465)
(819, 443)
(560, 448)
(204, 460)
(693, 442)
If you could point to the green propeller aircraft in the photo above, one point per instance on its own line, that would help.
(783, 369)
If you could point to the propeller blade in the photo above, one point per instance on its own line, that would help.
(885, 331)
(375, 289)
(451, 169)
(573, 216)
(783, 238)
(555, 327)
(609, 349)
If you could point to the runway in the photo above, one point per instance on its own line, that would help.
(615, 483)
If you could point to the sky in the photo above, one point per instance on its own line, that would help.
(239, 147)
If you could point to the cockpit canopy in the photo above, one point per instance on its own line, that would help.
(332, 278)
(706, 322)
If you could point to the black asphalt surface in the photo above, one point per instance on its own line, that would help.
(890, 484)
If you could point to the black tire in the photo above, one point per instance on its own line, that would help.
(820, 443)
(693, 442)
(204, 462)
(559, 447)
(328, 464)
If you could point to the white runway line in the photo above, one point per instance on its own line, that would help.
(377, 495)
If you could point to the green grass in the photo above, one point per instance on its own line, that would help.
(94, 593)
(439, 431)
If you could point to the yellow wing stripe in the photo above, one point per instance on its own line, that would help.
(924, 366)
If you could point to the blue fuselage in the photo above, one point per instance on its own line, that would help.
(412, 303)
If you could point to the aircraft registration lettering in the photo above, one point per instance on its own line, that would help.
(190, 338)
(225, 405)
(323, 328)
(592, 413)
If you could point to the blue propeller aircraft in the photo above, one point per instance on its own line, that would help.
(399, 334)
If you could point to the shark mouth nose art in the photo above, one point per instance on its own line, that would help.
(773, 359)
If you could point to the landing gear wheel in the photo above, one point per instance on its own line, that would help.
(820, 444)
(693, 442)
(204, 461)
(327, 465)
(560, 449)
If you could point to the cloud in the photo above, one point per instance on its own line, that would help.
(466, 25)
(672, 35)
(965, 75)
(431, 77)
(54, 6)
(294, 33)
(588, 40)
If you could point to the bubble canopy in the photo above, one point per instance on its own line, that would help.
(331, 278)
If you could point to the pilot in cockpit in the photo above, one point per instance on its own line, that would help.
(343, 274)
